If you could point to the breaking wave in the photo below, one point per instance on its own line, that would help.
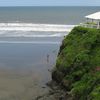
(33, 30)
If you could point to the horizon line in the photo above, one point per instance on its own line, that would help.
(54, 6)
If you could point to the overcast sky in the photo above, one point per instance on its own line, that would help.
(49, 2)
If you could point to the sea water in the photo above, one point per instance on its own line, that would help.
(27, 36)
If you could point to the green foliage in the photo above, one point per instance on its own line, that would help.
(78, 59)
(91, 23)
(95, 94)
(84, 87)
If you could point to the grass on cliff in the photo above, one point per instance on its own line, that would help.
(78, 64)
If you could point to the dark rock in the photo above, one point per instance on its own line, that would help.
(57, 75)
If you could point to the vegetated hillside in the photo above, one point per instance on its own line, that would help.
(78, 64)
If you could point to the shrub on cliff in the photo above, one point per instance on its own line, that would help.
(78, 64)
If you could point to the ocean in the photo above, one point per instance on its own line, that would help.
(41, 22)
(30, 38)
(45, 15)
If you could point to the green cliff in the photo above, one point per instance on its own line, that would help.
(78, 64)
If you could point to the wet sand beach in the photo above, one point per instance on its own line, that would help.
(24, 70)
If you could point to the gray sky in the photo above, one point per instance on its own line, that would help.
(49, 2)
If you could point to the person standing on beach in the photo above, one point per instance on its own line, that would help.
(48, 58)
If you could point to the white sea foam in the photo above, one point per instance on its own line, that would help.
(30, 34)
(30, 42)
(35, 27)
(30, 29)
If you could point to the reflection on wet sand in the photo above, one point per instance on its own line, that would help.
(23, 75)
